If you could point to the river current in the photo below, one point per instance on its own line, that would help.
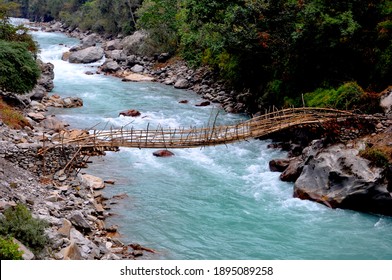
(211, 203)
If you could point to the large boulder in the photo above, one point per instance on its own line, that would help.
(135, 43)
(90, 40)
(339, 178)
(88, 55)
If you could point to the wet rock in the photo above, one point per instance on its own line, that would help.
(88, 55)
(163, 153)
(279, 165)
(183, 102)
(293, 170)
(203, 104)
(339, 178)
(65, 56)
(130, 113)
(72, 102)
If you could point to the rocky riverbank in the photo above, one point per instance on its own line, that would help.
(70, 201)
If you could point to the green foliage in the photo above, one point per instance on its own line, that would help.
(9, 250)
(376, 156)
(346, 97)
(18, 69)
(305, 45)
(159, 18)
(19, 223)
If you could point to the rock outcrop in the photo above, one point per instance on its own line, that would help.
(339, 178)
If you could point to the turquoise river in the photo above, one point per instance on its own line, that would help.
(215, 203)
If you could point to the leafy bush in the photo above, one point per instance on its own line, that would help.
(9, 250)
(376, 156)
(18, 69)
(19, 223)
(346, 97)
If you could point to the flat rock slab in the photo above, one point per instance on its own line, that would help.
(134, 77)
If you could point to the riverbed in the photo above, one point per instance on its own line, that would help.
(205, 203)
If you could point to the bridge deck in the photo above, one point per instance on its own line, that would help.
(207, 136)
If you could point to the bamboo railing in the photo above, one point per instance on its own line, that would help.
(207, 136)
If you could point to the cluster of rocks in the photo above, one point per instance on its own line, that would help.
(126, 59)
(334, 173)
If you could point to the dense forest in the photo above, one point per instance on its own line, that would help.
(279, 49)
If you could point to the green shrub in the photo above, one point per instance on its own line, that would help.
(18, 69)
(9, 250)
(376, 156)
(19, 223)
(346, 97)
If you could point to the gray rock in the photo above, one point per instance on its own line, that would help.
(80, 222)
(110, 66)
(135, 43)
(339, 178)
(117, 55)
(53, 124)
(87, 248)
(90, 41)
(88, 55)
(181, 83)
(112, 45)
(137, 68)
(27, 254)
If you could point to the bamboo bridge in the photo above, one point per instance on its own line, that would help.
(78, 148)
(168, 138)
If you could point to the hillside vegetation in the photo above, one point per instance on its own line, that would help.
(278, 49)
(18, 68)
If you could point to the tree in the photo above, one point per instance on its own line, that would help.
(18, 69)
